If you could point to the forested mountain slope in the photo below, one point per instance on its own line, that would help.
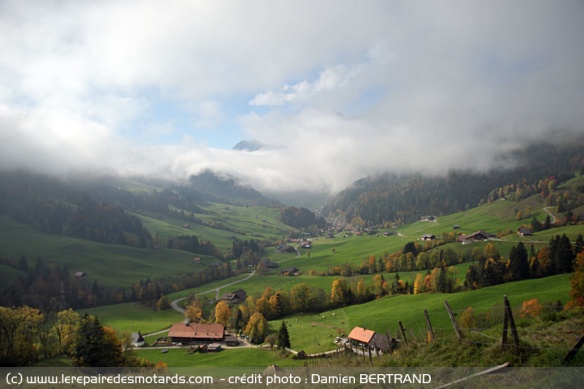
(394, 198)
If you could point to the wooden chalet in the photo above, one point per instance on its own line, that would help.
(476, 237)
(237, 297)
(360, 336)
(364, 339)
(186, 332)
(289, 271)
(523, 231)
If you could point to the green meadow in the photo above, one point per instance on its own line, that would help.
(134, 317)
(238, 360)
(315, 333)
(112, 265)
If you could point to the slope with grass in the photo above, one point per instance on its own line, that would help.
(314, 333)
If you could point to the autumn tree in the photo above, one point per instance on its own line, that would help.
(257, 328)
(341, 294)
(19, 329)
(467, 319)
(163, 303)
(530, 309)
(65, 328)
(280, 304)
(222, 313)
(380, 288)
(362, 293)
(194, 311)
(419, 284)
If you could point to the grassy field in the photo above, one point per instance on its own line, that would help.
(234, 359)
(221, 223)
(134, 317)
(110, 264)
(314, 333)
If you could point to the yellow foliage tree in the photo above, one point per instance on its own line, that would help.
(194, 311)
(222, 313)
(419, 286)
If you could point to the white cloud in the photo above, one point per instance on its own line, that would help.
(338, 90)
(329, 79)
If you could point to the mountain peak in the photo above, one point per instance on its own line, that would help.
(248, 145)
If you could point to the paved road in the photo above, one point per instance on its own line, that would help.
(549, 213)
(177, 308)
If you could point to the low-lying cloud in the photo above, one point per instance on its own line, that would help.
(336, 90)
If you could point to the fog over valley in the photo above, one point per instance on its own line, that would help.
(329, 92)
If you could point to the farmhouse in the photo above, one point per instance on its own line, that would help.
(362, 338)
(289, 271)
(428, 237)
(187, 332)
(236, 297)
(285, 249)
(524, 231)
(80, 274)
(476, 237)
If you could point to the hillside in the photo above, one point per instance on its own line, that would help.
(129, 239)
(395, 198)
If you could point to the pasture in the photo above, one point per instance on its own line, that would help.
(315, 333)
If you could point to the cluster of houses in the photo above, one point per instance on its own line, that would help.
(212, 336)
(478, 236)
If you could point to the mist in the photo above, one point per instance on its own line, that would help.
(334, 90)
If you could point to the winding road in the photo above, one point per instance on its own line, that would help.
(177, 308)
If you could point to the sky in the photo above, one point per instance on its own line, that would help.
(333, 90)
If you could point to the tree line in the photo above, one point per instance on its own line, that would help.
(28, 335)
(50, 286)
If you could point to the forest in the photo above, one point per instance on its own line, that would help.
(397, 199)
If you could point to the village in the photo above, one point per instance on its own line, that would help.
(214, 337)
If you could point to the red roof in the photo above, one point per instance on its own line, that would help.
(197, 331)
(361, 335)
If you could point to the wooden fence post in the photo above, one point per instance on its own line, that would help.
(389, 342)
(401, 327)
(430, 330)
(509, 315)
(505, 329)
(574, 350)
(453, 320)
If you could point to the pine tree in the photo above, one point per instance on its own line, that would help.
(95, 346)
(283, 336)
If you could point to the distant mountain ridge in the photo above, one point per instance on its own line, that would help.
(227, 189)
(395, 198)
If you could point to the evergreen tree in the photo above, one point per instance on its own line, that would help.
(561, 254)
(518, 262)
(579, 245)
(283, 336)
(96, 347)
